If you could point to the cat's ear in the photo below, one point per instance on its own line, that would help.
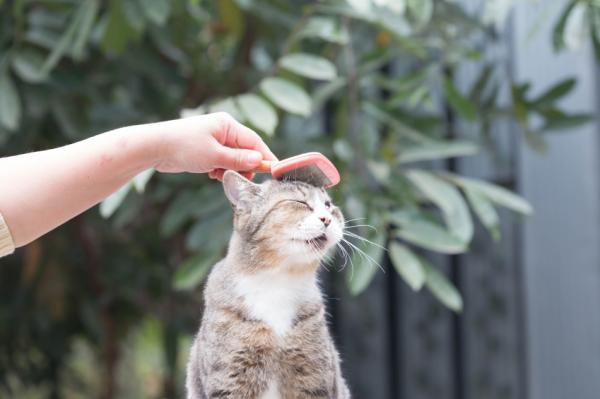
(240, 191)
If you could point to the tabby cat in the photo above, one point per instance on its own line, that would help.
(263, 333)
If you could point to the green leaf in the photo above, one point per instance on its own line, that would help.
(325, 28)
(498, 195)
(405, 83)
(229, 106)
(535, 141)
(419, 96)
(397, 25)
(326, 91)
(361, 6)
(65, 42)
(343, 150)
(156, 11)
(399, 126)
(484, 209)
(113, 201)
(70, 119)
(481, 83)
(192, 271)
(567, 121)
(141, 179)
(309, 66)
(559, 28)
(495, 12)
(231, 16)
(27, 64)
(556, 92)
(437, 150)
(10, 102)
(518, 93)
(86, 22)
(258, 112)
(408, 265)
(118, 31)
(448, 199)
(442, 288)
(362, 268)
(211, 231)
(426, 234)
(183, 207)
(380, 170)
(576, 28)
(421, 10)
(287, 95)
(596, 32)
(134, 13)
(461, 104)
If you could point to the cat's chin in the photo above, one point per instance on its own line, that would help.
(318, 243)
(310, 250)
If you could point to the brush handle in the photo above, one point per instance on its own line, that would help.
(264, 167)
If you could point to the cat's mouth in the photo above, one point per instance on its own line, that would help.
(317, 242)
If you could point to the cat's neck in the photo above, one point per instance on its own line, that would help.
(275, 296)
(247, 257)
(269, 289)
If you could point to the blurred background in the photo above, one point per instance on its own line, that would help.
(436, 112)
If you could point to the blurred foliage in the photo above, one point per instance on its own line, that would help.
(379, 86)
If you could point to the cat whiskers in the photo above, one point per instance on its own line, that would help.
(359, 237)
(352, 220)
(355, 248)
(345, 255)
(358, 226)
(363, 254)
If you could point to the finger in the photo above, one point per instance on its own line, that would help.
(254, 141)
(237, 159)
(248, 175)
(218, 174)
(215, 173)
(236, 135)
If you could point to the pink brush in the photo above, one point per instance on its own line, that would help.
(313, 168)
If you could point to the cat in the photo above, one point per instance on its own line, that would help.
(263, 333)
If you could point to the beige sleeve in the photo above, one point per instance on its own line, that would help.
(7, 246)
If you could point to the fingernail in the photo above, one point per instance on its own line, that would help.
(253, 158)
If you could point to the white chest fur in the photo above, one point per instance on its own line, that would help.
(274, 297)
(272, 391)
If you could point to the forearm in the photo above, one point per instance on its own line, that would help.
(41, 190)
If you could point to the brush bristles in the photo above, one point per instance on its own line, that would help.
(310, 174)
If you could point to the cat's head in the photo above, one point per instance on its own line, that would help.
(291, 221)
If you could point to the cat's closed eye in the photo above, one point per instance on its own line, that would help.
(303, 204)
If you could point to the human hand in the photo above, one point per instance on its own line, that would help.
(209, 143)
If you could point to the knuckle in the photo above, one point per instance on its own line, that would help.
(239, 160)
(224, 118)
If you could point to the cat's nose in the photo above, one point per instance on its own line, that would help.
(326, 220)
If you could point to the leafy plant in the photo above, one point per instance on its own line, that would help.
(427, 71)
(375, 85)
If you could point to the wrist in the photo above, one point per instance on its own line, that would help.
(148, 145)
(140, 148)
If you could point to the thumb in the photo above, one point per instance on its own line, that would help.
(238, 159)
